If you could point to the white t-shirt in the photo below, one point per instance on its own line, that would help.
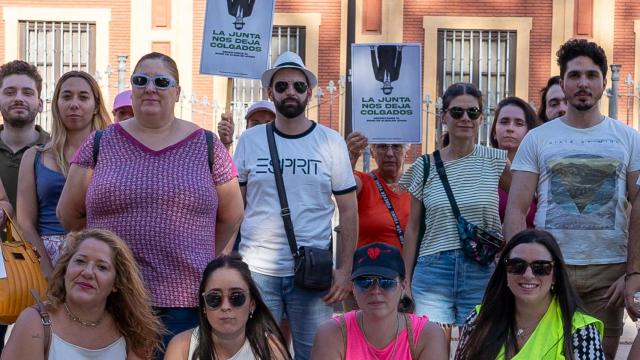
(582, 186)
(315, 165)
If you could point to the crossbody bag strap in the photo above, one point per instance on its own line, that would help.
(389, 205)
(445, 183)
(46, 321)
(282, 195)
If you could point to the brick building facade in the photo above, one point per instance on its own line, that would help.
(523, 37)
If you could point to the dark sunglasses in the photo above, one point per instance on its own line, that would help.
(213, 298)
(457, 112)
(161, 82)
(519, 266)
(366, 282)
(299, 86)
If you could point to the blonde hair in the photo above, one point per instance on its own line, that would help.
(130, 306)
(101, 118)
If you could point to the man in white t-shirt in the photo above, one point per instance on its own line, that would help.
(316, 169)
(583, 167)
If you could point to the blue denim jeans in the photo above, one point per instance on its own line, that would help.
(304, 309)
(446, 286)
(175, 321)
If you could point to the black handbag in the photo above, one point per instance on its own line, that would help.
(313, 267)
(477, 243)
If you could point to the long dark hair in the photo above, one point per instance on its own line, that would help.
(260, 327)
(530, 116)
(542, 110)
(495, 325)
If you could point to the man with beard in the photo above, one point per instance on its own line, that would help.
(20, 103)
(552, 100)
(584, 167)
(315, 165)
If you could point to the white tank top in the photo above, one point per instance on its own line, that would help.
(62, 350)
(245, 352)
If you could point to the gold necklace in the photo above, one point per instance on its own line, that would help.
(395, 338)
(86, 323)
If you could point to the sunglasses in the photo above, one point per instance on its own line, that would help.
(457, 112)
(299, 86)
(518, 266)
(161, 82)
(396, 148)
(366, 282)
(214, 298)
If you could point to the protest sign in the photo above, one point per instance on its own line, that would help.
(387, 92)
(237, 37)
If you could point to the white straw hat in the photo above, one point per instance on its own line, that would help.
(288, 60)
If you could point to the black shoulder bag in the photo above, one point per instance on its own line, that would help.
(477, 243)
(313, 267)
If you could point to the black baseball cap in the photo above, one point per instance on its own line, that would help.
(378, 259)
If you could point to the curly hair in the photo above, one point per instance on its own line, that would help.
(101, 118)
(261, 328)
(581, 47)
(130, 306)
(19, 67)
(530, 117)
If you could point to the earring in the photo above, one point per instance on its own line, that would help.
(250, 314)
(551, 287)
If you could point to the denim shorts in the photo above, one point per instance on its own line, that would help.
(446, 286)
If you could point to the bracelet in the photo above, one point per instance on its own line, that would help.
(627, 276)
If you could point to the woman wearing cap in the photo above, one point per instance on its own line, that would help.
(122, 106)
(260, 112)
(380, 329)
(167, 187)
(446, 284)
(530, 310)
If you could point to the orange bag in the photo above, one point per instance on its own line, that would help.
(22, 267)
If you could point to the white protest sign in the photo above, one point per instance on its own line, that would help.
(387, 92)
(237, 37)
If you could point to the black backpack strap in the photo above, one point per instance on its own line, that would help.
(209, 136)
(96, 146)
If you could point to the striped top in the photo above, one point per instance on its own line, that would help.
(474, 182)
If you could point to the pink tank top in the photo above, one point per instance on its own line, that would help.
(358, 348)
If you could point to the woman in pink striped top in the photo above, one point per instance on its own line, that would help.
(153, 180)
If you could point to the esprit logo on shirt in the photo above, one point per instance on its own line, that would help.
(289, 165)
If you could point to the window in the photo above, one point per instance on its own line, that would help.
(55, 48)
(246, 91)
(485, 58)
